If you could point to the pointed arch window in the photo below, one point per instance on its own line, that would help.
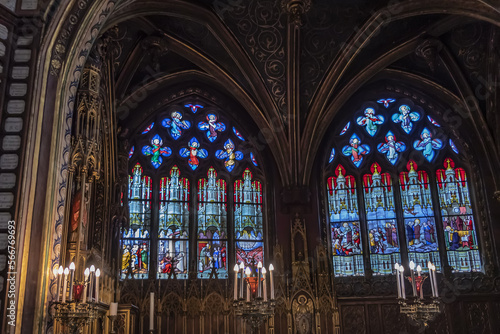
(410, 205)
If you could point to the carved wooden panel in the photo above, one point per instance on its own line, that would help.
(353, 319)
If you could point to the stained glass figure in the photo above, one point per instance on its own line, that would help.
(212, 127)
(344, 224)
(420, 226)
(131, 152)
(427, 145)
(386, 102)
(248, 220)
(176, 124)
(212, 226)
(254, 161)
(458, 221)
(332, 155)
(173, 227)
(381, 221)
(156, 151)
(391, 147)
(453, 147)
(193, 152)
(194, 107)
(370, 121)
(433, 121)
(146, 130)
(406, 117)
(135, 239)
(238, 134)
(346, 127)
(356, 150)
(229, 154)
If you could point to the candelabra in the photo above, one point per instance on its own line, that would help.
(75, 316)
(256, 308)
(415, 308)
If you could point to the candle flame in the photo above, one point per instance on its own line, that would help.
(98, 272)
(66, 271)
(264, 271)
(236, 267)
(396, 266)
(87, 272)
(248, 272)
(54, 271)
(72, 266)
(271, 267)
(259, 265)
(60, 271)
(92, 268)
(412, 265)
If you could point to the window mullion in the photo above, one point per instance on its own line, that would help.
(155, 217)
(403, 246)
(363, 221)
(193, 230)
(439, 224)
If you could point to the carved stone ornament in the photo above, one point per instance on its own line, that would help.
(429, 50)
(496, 195)
(295, 9)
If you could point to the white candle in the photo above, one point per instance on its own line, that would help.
(85, 284)
(271, 269)
(97, 274)
(113, 309)
(402, 278)
(419, 269)
(248, 272)
(71, 279)
(398, 282)
(242, 268)
(59, 273)
(413, 285)
(259, 282)
(435, 281)
(91, 287)
(431, 277)
(65, 285)
(152, 311)
(264, 284)
(236, 269)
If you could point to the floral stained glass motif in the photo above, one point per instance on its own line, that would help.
(458, 221)
(131, 152)
(193, 151)
(356, 150)
(344, 224)
(176, 124)
(229, 155)
(156, 151)
(381, 221)
(406, 117)
(386, 102)
(433, 121)
(420, 227)
(346, 127)
(194, 107)
(173, 229)
(332, 156)
(427, 145)
(135, 240)
(248, 220)
(212, 127)
(370, 121)
(391, 147)
(212, 226)
(254, 161)
(149, 128)
(453, 147)
(238, 134)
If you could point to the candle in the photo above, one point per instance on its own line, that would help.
(419, 269)
(71, 279)
(431, 277)
(236, 269)
(97, 274)
(398, 282)
(59, 277)
(242, 268)
(113, 309)
(435, 281)
(85, 283)
(65, 285)
(413, 285)
(259, 282)
(271, 269)
(402, 278)
(151, 311)
(91, 279)
(264, 283)
(248, 272)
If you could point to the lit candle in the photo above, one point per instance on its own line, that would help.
(419, 269)
(402, 278)
(413, 285)
(91, 279)
(97, 274)
(271, 269)
(398, 282)
(242, 268)
(259, 282)
(151, 311)
(59, 277)
(236, 269)
(71, 279)
(85, 284)
(248, 272)
(113, 309)
(264, 284)
(431, 277)
(65, 285)
(435, 281)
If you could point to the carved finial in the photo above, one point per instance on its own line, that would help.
(429, 50)
(496, 195)
(156, 46)
(295, 9)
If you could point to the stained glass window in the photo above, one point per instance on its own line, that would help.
(344, 224)
(136, 241)
(420, 227)
(458, 222)
(381, 220)
(173, 229)
(248, 220)
(212, 226)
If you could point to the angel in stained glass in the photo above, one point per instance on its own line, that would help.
(212, 127)
(193, 152)
(391, 147)
(156, 151)
(427, 145)
(229, 154)
(406, 117)
(176, 124)
(356, 150)
(370, 121)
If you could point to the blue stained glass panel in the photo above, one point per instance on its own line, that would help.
(332, 156)
(131, 152)
(386, 102)
(453, 147)
(193, 151)
(406, 118)
(427, 144)
(391, 147)
(146, 130)
(370, 121)
(433, 121)
(176, 124)
(238, 134)
(212, 126)
(356, 150)
(346, 127)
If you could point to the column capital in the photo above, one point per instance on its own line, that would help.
(295, 9)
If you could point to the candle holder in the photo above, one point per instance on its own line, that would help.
(255, 312)
(419, 313)
(75, 316)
